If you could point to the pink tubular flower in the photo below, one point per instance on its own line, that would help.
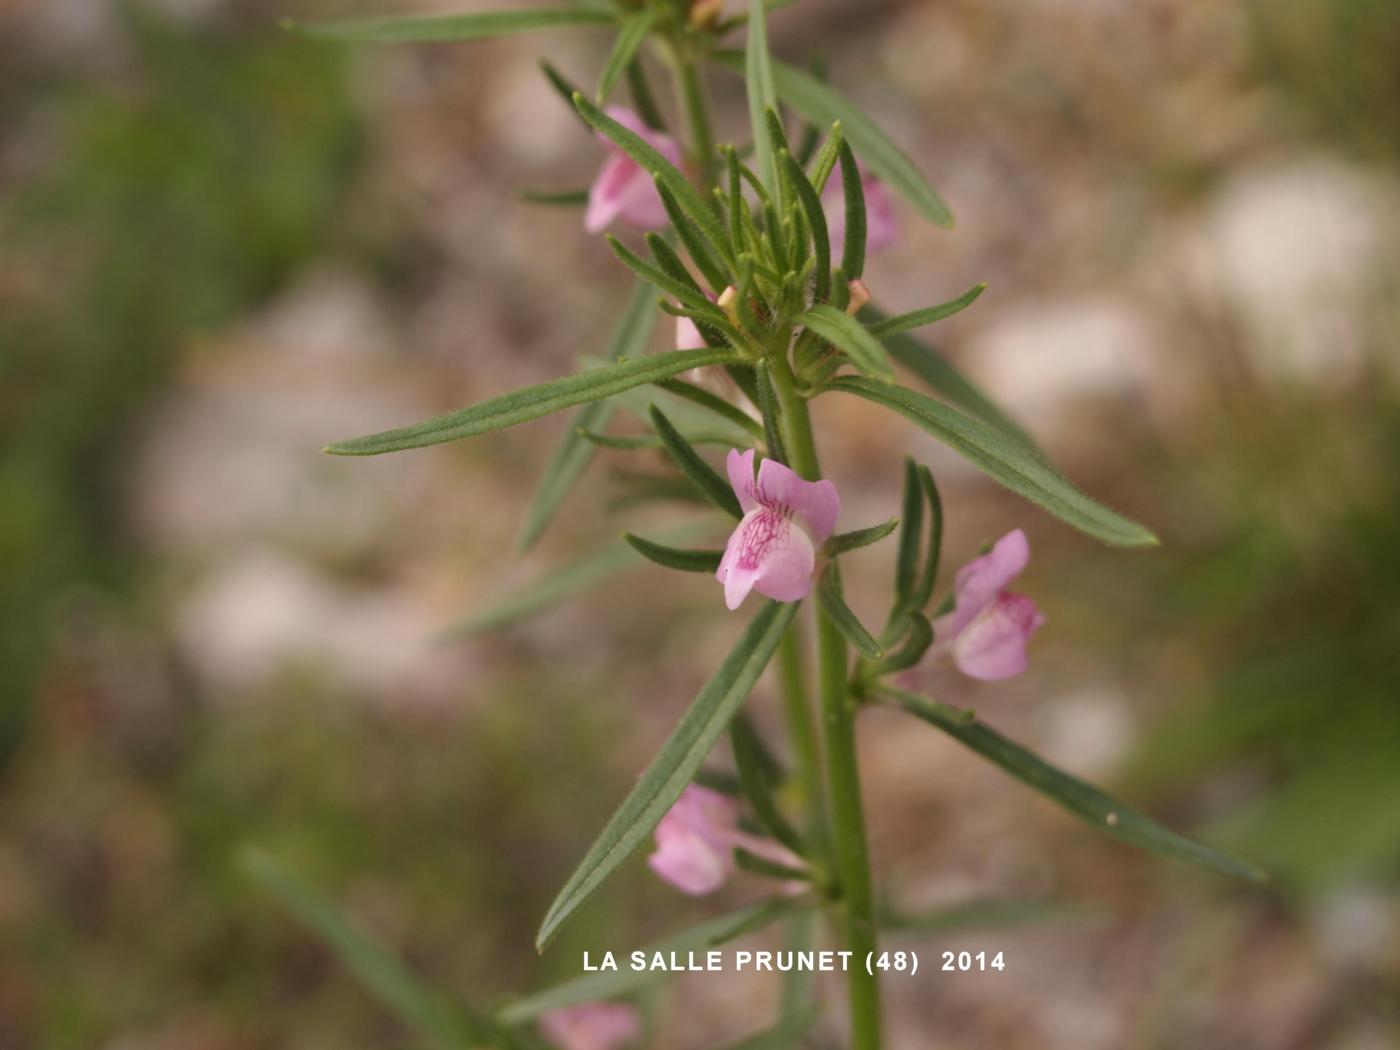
(591, 1026)
(696, 839)
(987, 631)
(624, 189)
(881, 227)
(774, 547)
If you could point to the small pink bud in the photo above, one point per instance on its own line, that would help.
(860, 295)
(623, 189)
(705, 13)
(727, 301)
(786, 518)
(987, 631)
(591, 1026)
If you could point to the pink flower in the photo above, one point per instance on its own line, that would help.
(688, 337)
(696, 839)
(624, 189)
(591, 1026)
(987, 631)
(881, 227)
(774, 547)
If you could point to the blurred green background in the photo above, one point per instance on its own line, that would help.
(222, 246)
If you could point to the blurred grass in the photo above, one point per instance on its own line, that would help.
(181, 193)
(166, 202)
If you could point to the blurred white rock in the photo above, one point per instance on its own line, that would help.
(234, 453)
(1088, 732)
(1358, 927)
(1300, 249)
(1043, 359)
(261, 613)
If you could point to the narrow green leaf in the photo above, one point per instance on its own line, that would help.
(521, 406)
(594, 987)
(643, 101)
(768, 406)
(705, 262)
(816, 222)
(448, 28)
(917, 634)
(686, 291)
(942, 378)
(1083, 800)
(675, 557)
(1002, 459)
(634, 30)
(824, 105)
(717, 488)
(687, 196)
(738, 208)
(562, 86)
(556, 586)
(674, 767)
(853, 247)
(758, 75)
(933, 551)
(716, 404)
(571, 458)
(752, 862)
(559, 198)
(826, 159)
(907, 562)
(444, 1022)
(846, 333)
(918, 318)
(688, 416)
(754, 778)
(840, 614)
(849, 541)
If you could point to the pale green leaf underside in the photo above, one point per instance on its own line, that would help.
(574, 453)
(823, 106)
(1083, 800)
(521, 406)
(675, 765)
(1003, 459)
(447, 28)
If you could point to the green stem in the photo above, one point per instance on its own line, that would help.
(805, 744)
(842, 764)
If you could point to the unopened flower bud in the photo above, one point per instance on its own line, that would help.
(705, 13)
(860, 295)
(727, 301)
